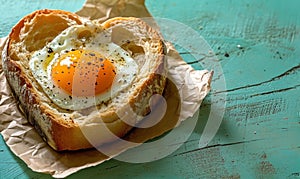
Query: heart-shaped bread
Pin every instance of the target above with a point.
(67, 127)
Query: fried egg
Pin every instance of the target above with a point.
(81, 68)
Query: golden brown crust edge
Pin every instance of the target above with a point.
(61, 134)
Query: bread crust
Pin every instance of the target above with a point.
(59, 127)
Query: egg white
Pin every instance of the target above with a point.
(96, 39)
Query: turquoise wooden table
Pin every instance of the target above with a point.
(256, 43)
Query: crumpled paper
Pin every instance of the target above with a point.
(106, 9)
(183, 100)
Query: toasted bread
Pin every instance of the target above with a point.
(65, 129)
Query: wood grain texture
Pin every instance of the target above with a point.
(257, 44)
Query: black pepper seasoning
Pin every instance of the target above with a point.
(50, 50)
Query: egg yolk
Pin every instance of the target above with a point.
(83, 73)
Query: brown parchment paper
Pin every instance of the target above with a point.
(183, 100)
